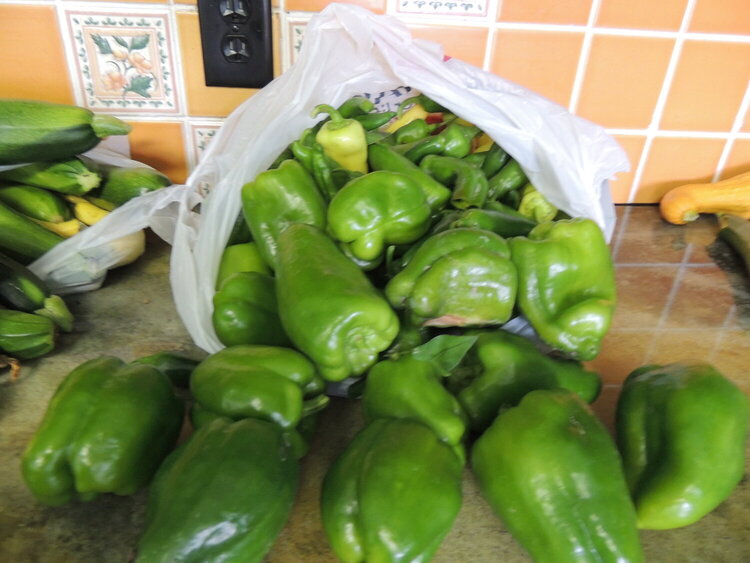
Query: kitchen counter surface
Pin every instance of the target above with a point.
(682, 296)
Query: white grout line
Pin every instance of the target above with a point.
(583, 58)
(625, 219)
(672, 134)
(671, 296)
(739, 121)
(662, 99)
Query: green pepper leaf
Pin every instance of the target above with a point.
(445, 351)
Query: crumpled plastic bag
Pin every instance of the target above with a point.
(350, 51)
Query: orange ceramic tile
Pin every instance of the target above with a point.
(623, 79)
(721, 16)
(620, 186)
(377, 6)
(544, 62)
(202, 100)
(646, 239)
(465, 43)
(708, 86)
(688, 346)
(545, 11)
(641, 14)
(672, 162)
(161, 145)
(31, 52)
(636, 308)
(611, 364)
(703, 299)
(739, 159)
(730, 357)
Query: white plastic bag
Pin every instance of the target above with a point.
(350, 51)
(81, 262)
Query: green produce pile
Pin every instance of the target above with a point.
(388, 250)
(51, 196)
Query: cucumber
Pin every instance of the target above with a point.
(33, 131)
(25, 335)
(22, 290)
(21, 238)
(123, 184)
(69, 176)
(36, 202)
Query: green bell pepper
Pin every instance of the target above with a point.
(223, 495)
(494, 160)
(566, 284)
(246, 312)
(681, 430)
(411, 389)
(343, 139)
(370, 121)
(460, 277)
(392, 495)
(277, 198)
(502, 367)
(468, 183)
(328, 307)
(535, 206)
(510, 178)
(242, 257)
(455, 140)
(504, 221)
(378, 209)
(551, 472)
(106, 430)
(264, 382)
(382, 157)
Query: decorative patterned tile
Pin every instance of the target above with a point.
(124, 62)
(201, 134)
(295, 33)
(459, 9)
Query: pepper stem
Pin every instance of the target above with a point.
(337, 120)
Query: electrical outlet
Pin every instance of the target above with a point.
(237, 45)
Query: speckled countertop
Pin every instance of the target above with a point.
(682, 296)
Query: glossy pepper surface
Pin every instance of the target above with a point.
(551, 471)
(246, 312)
(106, 430)
(277, 198)
(392, 495)
(681, 430)
(240, 257)
(328, 307)
(467, 182)
(455, 140)
(378, 209)
(566, 284)
(504, 221)
(411, 389)
(460, 277)
(382, 157)
(223, 495)
(264, 382)
(343, 139)
(502, 367)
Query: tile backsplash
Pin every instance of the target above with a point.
(670, 80)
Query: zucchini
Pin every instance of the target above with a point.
(34, 131)
(68, 176)
(22, 290)
(36, 203)
(21, 238)
(123, 184)
(735, 231)
(26, 335)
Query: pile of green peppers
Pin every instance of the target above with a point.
(387, 250)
